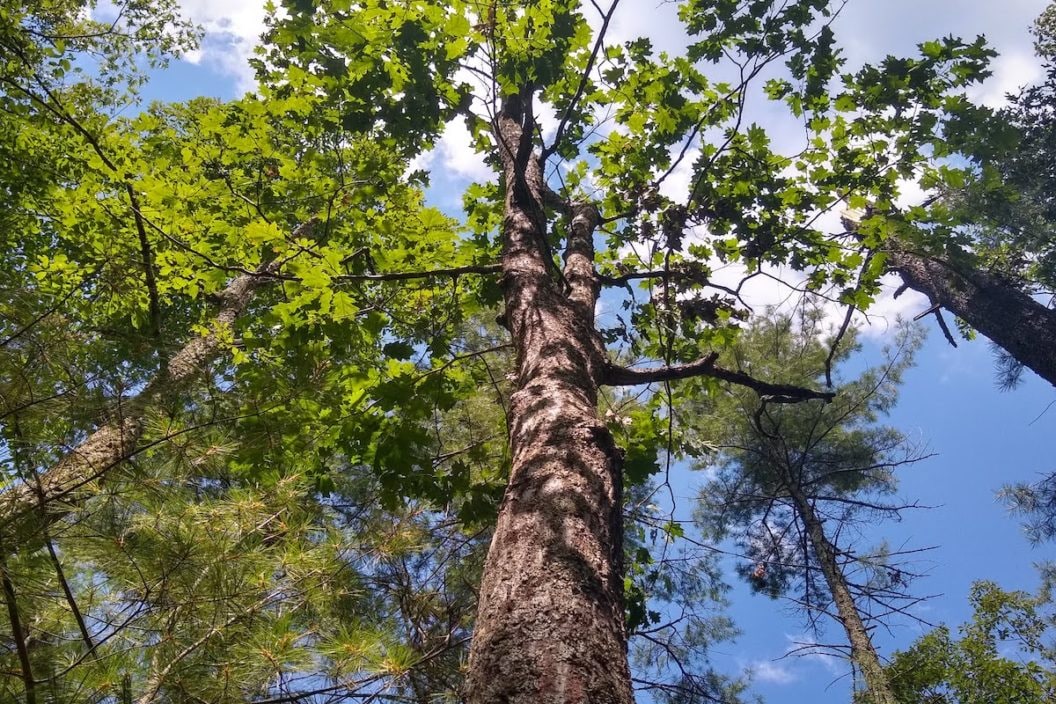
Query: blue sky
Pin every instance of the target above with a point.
(983, 438)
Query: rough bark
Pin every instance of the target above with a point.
(28, 508)
(550, 623)
(996, 308)
(863, 654)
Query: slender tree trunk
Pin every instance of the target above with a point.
(27, 509)
(1009, 317)
(18, 632)
(863, 654)
(550, 624)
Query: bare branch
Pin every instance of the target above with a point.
(626, 376)
(836, 343)
(705, 366)
(406, 275)
(684, 271)
(944, 328)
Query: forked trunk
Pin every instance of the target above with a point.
(550, 624)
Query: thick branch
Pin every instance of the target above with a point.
(626, 376)
(147, 255)
(705, 366)
(775, 393)
(71, 601)
(991, 304)
(675, 272)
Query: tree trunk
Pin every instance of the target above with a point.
(28, 508)
(18, 633)
(863, 654)
(550, 623)
(1006, 315)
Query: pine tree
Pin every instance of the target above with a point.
(795, 485)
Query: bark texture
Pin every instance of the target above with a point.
(996, 308)
(550, 623)
(31, 506)
(863, 654)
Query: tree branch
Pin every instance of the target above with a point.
(936, 308)
(18, 632)
(834, 348)
(405, 275)
(625, 376)
(584, 80)
(705, 366)
(148, 263)
(71, 601)
(684, 271)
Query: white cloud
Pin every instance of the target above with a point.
(788, 668)
(869, 30)
(772, 672)
(547, 118)
(781, 289)
(910, 194)
(1012, 71)
(423, 161)
(676, 185)
(603, 311)
(232, 31)
(654, 19)
(457, 157)
(806, 647)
